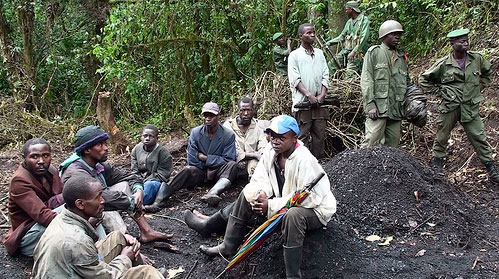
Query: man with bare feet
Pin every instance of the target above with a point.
(122, 190)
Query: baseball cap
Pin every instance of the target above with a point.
(210, 107)
(282, 124)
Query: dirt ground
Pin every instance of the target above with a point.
(440, 232)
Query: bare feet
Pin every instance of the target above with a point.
(200, 215)
(152, 236)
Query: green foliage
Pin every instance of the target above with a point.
(163, 59)
(171, 57)
(60, 42)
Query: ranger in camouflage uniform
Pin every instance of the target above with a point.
(280, 53)
(354, 39)
(384, 82)
(458, 78)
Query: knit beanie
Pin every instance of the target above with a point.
(89, 136)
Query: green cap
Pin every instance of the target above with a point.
(458, 33)
(276, 36)
(354, 5)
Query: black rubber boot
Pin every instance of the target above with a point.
(234, 235)
(215, 224)
(212, 198)
(164, 192)
(292, 261)
(493, 172)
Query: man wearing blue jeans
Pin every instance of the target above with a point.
(152, 162)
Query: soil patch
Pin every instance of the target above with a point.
(375, 191)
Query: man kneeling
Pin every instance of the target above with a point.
(67, 249)
(286, 166)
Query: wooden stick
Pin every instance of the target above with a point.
(192, 269)
(168, 217)
(4, 216)
(417, 227)
(475, 262)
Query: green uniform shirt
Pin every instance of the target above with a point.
(354, 35)
(459, 89)
(280, 55)
(384, 81)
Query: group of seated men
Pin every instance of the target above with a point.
(69, 220)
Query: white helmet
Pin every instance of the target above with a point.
(388, 27)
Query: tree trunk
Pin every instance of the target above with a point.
(284, 16)
(336, 18)
(105, 117)
(98, 10)
(26, 20)
(9, 57)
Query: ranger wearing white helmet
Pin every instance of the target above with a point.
(384, 82)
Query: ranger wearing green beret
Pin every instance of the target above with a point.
(280, 53)
(353, 41)
(384, 82)
(458, 78)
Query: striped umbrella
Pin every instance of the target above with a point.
(263, 231)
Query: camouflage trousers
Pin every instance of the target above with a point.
(352, 68)
(474, 129)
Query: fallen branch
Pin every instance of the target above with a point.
(168, 217)
(424, 222)
(4, 216)
(192, 269)
(475, 263)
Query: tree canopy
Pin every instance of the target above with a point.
(162, 59)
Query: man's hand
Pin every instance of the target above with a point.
(312, 99)
(320, 98)
(351, 55)
(134, 244)
(373, 114)
(128, 251)
(260, 204)
(138, 198)
(241, 164)
(202, 157)
(94, 221)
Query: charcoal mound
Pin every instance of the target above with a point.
(386, 191)
(375, 188)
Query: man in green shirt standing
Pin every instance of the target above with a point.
(458, 78)
(353, 39)
(280, 53)
(384, 82)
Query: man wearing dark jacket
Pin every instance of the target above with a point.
(122, 190)
(211, 156)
